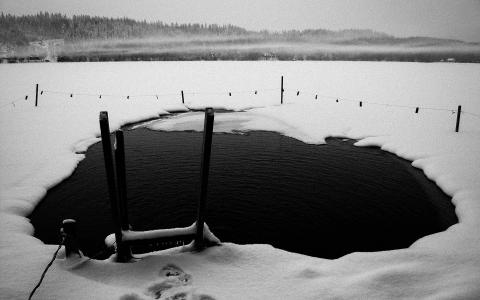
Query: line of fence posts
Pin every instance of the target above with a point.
(282, 90)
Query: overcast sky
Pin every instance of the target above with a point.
(458, 19)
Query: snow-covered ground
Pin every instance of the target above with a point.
(38, 150)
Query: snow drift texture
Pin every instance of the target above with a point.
(41, 146)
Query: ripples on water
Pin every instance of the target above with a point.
(319, 200)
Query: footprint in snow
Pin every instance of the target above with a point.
(175, 284)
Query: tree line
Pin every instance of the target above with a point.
(19, 30)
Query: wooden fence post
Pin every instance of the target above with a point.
(459, 112)
(36, 95)
(122, 252)
(281, 91)
(205, 165)
(69, 233)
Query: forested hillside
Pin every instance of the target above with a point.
(19, 30)
(53, 36)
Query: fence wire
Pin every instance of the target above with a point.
(233, 92)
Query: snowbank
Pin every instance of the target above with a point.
(41, 146)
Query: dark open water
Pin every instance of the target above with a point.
(319, 200)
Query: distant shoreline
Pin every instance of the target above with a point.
(254, 55)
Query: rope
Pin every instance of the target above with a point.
(100, 253)
(230, 92)
(71, 94)
(388, 105)
(471, 114)
(46, 269)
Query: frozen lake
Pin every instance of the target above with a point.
(426, 84)
(42, 146)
